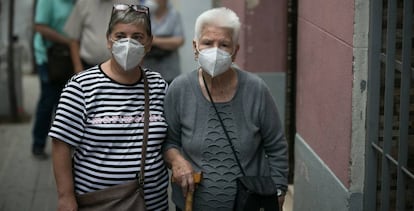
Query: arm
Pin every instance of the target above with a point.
(62, 168)
(43, 19)
(74, 28)
(168, 43)
(176, 39)
(274, 142)
(181, 168)
(53, 36)
(75, 55)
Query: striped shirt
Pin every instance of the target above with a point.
(103, 121)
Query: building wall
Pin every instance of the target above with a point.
(264, 35)
(263, 43)
(359, 105)
(324, 81)
(23, 15)
(323, 104)
(316, 187)
(22, 30)
(332, 71)
(189, 11)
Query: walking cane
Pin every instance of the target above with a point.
(189, 198)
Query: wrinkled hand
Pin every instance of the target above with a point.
(182, 174)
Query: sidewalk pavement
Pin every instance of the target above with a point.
(27, 184)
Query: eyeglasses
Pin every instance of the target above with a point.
(135, 7)
(138, 8)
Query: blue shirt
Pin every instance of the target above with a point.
(52, 13)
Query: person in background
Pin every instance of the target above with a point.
(50, 16)
(196, 141)
(168, 38)
(98, 128)
(86, 26)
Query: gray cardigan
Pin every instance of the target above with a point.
(253, 123)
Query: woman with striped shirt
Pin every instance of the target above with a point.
(97, 132)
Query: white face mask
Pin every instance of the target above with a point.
(214, 61)
(128, 53)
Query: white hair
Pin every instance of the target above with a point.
(221, 17)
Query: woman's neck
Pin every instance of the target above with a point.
(222, 87)
(116, 73)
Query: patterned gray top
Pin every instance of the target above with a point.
(218, 163)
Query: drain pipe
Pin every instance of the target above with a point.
(291, 80)
(10, 65)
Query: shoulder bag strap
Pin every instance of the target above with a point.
(224, 128)
(145, 133)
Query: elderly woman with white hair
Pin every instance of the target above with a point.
(198, 139)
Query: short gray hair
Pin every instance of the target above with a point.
(129, 16)
(221, 17)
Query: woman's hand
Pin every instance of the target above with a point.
(182, 174)
(281, 200)
(182, 171)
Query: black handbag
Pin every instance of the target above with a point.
(254, 193)
(128, 196)
(59, 65)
